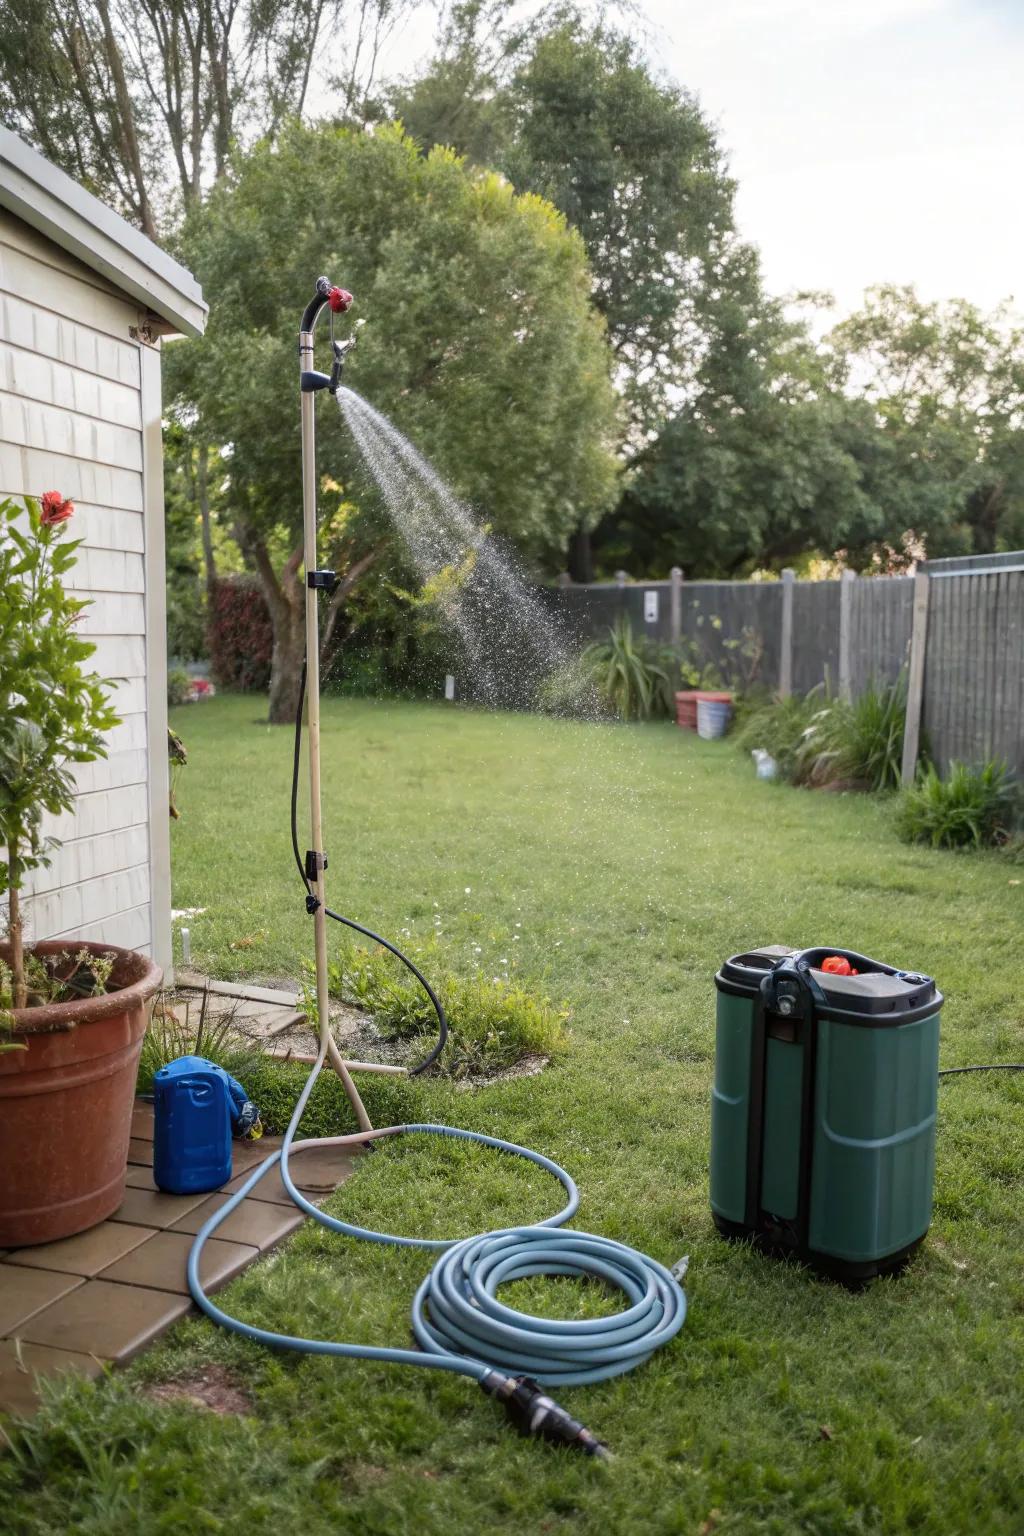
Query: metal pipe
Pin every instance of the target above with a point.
(316, 875)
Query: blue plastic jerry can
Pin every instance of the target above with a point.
(192, 1114)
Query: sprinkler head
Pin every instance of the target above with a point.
(339, 299)
(341, 350)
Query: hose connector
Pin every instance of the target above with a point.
(534, 1413)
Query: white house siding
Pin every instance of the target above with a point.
(73, 407)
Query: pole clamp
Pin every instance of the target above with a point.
(322, 581)
(315, 862)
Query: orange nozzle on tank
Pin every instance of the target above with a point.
(836, 965)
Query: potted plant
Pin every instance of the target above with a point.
(73, 1013)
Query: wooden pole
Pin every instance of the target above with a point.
(845, 626)
(675, 607)
(786, 637)
(313, 727)
(915, 680)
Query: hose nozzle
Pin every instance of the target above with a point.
(534, 1413)
(341, 350)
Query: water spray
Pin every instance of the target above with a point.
(458, 1324)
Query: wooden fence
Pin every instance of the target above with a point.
(957, 627)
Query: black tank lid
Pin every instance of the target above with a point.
(879, 991)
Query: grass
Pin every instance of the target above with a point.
(633, 859)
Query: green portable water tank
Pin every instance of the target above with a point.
(823, 1108)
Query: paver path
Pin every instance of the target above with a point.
(94, 1301)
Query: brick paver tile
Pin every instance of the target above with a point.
(142, 1121)
(87, 1253)
(152, 1208)
(160, 1263)
(21, 1365)
(100, 1318)
(24, 1292)
(259, 1222)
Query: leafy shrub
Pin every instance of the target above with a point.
(860, 740)
(628, 675)
(493, 1023)
(969, 808)
(186, 616)
(178, 686)
(779, 726)
(240, 635)
(569, 692)
(717, 665)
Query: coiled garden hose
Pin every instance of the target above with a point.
(457, 1320)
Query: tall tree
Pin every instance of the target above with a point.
(754, 468)
(142, 101)
(571, 109)
(476, 334)
(945, 384)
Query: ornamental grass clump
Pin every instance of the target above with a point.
(53, 711)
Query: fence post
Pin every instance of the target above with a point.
(845, 623)
(915, 679)
(786, 638)
(675, 604)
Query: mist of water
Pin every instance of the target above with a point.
(510, 643)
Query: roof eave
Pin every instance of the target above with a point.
(55, 205)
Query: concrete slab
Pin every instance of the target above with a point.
(321, 1168)
(86, 1254)
(189, 981)
(160, 1263)
(153, 1208)
(270, 1187)
(261, 1223)
(24, 1292)
(23, 1365)
(104, 1319)
(142, 1121)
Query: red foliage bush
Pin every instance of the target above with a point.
(239, 635)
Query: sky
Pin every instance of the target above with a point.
(872, 140)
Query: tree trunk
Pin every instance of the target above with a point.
(581, 558)
(16, 937)
(286, 667)
(286, 600)
(203, 497)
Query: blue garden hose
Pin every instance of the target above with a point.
(457, 1320)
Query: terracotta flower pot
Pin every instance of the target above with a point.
(66, 1102)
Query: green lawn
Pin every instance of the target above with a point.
(614, 868)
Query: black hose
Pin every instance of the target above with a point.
(442, 1021)
(992, 1066)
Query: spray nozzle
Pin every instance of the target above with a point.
(534, 1413)
(341, 349)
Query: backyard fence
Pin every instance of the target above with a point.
(956, 626)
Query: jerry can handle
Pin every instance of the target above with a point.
(790, 988)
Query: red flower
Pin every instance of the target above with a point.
(339, 299)
(54, 508)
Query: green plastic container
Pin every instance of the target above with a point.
(823, 1108)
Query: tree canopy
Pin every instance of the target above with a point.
(899, 434)
(476, 335)
(142, 101)
(572, 110)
